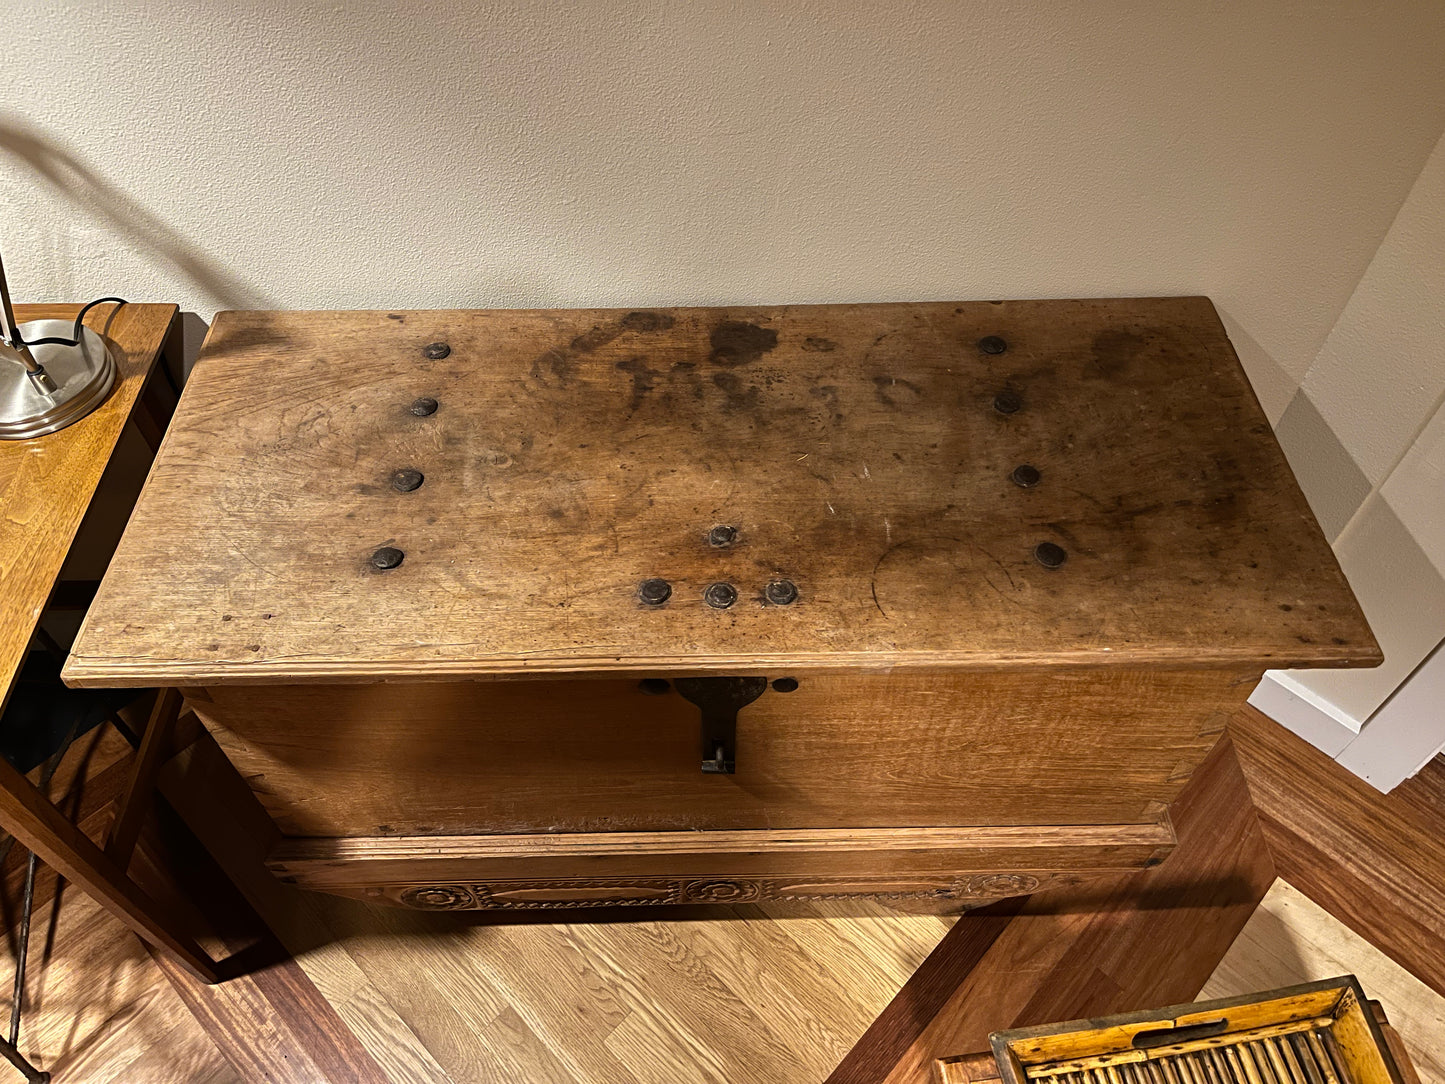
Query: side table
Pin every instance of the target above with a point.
(46, 486)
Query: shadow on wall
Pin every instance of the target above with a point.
(102, 202)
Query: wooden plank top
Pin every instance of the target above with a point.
(46, 483)
(865, 453)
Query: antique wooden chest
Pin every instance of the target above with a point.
(502, 609)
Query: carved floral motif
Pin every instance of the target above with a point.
(729, 891)
(1002, 884)
(440, 898)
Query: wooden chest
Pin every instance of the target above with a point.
(551, 608)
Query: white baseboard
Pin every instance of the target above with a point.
(1294, 707)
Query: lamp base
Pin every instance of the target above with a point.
(82, 375)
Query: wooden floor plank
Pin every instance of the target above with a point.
(1150, 938)
(929, 987)
(97, 1004)
(326, 1015)
(1291, 939)
(1375, 861)
(447, 999)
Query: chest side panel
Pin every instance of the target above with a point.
(1071, 747)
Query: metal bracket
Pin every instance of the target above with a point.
(719, 699)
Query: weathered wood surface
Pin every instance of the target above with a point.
(856, 449)
(1150, 938)
(658, 868)
(1074, 747)
(46, 483)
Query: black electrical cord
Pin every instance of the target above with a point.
(55, 340)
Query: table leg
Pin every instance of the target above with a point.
(27, 815)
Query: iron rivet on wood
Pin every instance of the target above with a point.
(388, 557)
(436, 351)
(1050, 555)
(1007, 402)
(424, 406)
(1025, 475)
(720, 595)
(654, 592)
(992, 344)
(781, 592)
(722, 535)
(404, 481)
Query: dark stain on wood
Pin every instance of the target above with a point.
(740, 399)
(1114, 351)
(895, 392)
(644, 377)
(737, 343)
(647, 321)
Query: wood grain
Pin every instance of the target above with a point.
(1150, 938)
(1291, 939)
(1375, 861)
(856, 449)
(1075, 747)
(140, 786)
(663, 868)
(46, 483)
(38, 825)
(98, 1009)
(439, 997)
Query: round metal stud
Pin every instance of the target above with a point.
(655, 686)
(720, 595)
(785, 685)
(1050, 555)
(992, 344)
(654, 592)
(1007, 402)
(404, 481)
(1025, 476)
(386, 558)
(424, 406)
(722, 535)
(781, 592)
(436, 351)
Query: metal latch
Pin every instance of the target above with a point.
(719, 699)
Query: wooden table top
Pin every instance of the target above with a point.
(46, 483)
(865, 453)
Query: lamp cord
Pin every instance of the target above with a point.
(74, 340)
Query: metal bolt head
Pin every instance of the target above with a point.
(654, 592)
(720, 595)
(1007, 402)
(992, 344)
(423, 406)
(1050, 555)
(1025, 476)
(404, 481)
(655, 686)
(781, 592)
(386, 558)
(722, 535)
(436, 351)
(785, 685)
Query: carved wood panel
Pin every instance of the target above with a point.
(653, 891)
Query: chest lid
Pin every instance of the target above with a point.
(373, 495)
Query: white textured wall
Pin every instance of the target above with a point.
(1366, 436)
(248, 153)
